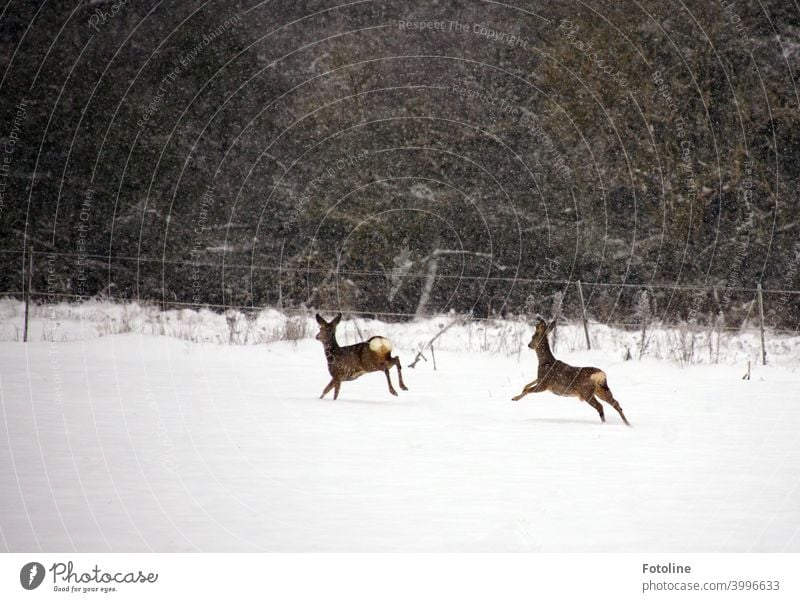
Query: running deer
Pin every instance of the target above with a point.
(557, 377)
(348, 363)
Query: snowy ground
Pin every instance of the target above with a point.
(138, 442)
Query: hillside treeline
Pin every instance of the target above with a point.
(406, 158)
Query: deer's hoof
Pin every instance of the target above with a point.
(404, 387)
(393, 392)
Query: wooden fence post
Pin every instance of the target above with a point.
(28, 286)
(280, 278)
(761, 325)
(583, 316)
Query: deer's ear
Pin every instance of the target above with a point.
(336, 320)
(321, 321)
(551, 326)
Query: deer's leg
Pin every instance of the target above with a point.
(336, 385)
(329, 386)
(389, 380)
(597, 406)
(532, 387)
(396, 361)
(604, 393)
(521, 395)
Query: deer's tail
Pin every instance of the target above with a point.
(380, 345)
(599, 380)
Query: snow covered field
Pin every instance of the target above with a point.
(139, 442)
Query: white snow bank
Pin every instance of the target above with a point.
(66, 322)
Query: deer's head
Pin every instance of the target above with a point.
(327, 330)
(541, 330)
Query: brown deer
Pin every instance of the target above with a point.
(562, 379)
(350, 362)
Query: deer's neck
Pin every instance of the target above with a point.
(544, 354)
(330, 348)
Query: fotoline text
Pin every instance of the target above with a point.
(670, 568)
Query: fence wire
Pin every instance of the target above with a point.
(38, 296)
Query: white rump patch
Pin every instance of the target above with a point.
(599, 377)
(378, 344)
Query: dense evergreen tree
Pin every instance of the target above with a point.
(305, 153)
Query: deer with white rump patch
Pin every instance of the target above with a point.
(350, 362)
(588, 384)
